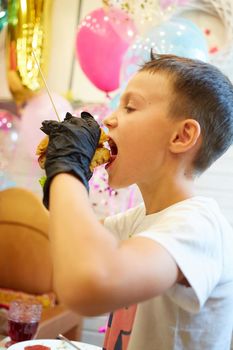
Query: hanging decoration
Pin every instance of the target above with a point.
(28, 29)
(147, 13)
(165, 4)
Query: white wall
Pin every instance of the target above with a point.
(217, 182)
(64, 31)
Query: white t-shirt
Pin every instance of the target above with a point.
(199, 238)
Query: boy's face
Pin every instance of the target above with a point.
(141, 130)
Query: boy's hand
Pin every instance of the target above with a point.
(72, 144)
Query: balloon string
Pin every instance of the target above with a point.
(46, 86)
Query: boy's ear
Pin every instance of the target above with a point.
(186, 136)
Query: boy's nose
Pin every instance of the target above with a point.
(110, 121)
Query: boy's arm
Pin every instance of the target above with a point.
(93, 272)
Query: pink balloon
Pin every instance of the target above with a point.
(39, 108)
(9, 133)
(102, 39)
(98, 110)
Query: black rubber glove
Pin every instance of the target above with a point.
(72, 144)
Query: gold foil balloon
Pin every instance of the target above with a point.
(28, 31)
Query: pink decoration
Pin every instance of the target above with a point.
(102, 39)
(39, 108)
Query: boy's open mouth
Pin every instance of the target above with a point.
(113, 151)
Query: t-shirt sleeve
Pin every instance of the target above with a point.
(122, 224)
(194, 241)
(115, 225)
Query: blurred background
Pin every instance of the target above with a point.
(88, 50)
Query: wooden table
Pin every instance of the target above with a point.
(59, 319)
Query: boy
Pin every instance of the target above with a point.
(172, 255)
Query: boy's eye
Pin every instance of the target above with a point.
(129, 109)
